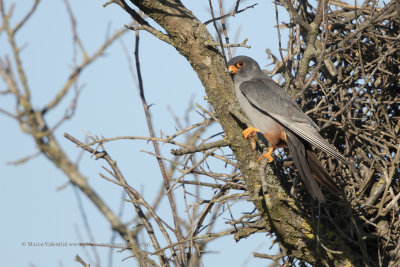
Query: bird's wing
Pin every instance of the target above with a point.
(270, 98)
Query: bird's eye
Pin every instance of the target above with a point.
(240, 64)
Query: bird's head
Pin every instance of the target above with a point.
(243, 68)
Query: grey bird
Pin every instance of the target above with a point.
(275, 115)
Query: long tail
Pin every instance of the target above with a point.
(309, 167)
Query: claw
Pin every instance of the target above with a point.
(268, 155)
(250, 132)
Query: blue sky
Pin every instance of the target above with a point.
(33, 207)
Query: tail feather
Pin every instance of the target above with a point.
(319, 172)
(298, 152)
(309, 167)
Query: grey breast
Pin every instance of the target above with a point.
(260, 120)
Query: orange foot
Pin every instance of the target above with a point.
(250, 132)
(268, 155)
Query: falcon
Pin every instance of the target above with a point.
(283, 124)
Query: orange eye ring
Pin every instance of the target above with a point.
(240, 64)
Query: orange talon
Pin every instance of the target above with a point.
(250, 132)
(268, 155)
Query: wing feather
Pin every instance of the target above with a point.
(312, 136)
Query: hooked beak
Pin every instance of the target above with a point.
(232, 69)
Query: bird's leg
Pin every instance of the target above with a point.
(251, 134)
(268, 155)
